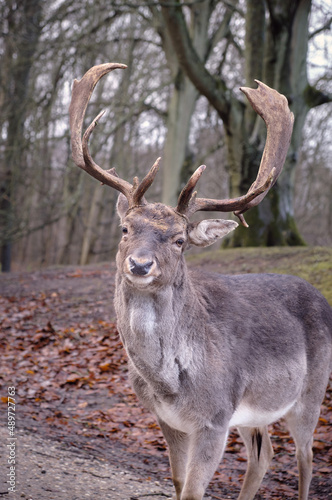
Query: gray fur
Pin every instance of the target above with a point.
(206, 350)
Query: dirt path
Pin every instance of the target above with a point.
(48, 470)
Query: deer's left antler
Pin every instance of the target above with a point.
(273, 108)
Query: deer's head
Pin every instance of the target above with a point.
(155, 235)
(154, 239)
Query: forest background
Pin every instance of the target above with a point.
(179, 98)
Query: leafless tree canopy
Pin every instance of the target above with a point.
(51, 213)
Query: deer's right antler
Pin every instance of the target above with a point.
(81, 94)
(273, 108)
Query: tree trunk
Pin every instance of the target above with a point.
(90, 225)
(23, 23)
(182, 101)
(180, 110)
(273, 220)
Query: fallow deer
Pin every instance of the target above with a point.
(209, 352)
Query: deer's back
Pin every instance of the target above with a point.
(266, 317)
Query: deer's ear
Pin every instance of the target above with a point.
(122, 206)
(206, 232)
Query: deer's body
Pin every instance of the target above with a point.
(209, 352)
(190, 343)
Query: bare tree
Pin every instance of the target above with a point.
(24, 19)
(58, 218)
(277, 36)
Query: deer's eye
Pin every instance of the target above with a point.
(124, 230)
(179, 242)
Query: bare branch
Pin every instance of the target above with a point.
(325, 27)
(315, 97)
(213, 89)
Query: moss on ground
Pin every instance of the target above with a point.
(314, 264)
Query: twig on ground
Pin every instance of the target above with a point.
(137, 497)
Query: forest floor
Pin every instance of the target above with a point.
(80, 431)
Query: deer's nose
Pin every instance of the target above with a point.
(140, 267)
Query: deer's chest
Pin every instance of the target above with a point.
(147, 341)
(142, 318)
(152, 345)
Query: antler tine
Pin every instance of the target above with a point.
(81, 94)
(108, 177)
(227, 205)
(145, 183)
(187, 191)
(274, 110)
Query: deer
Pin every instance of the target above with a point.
(209, 352)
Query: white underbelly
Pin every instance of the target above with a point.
(246, 416)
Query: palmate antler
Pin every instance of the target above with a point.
(81, 94)
(273, 108)
(268, 103)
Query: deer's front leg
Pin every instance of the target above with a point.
(205, 451)
(178, 445)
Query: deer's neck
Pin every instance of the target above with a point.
(150, 313)
(155, 326)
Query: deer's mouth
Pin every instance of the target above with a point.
(140, 281)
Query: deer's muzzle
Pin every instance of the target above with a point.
(140, 267)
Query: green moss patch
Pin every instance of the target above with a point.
(314, 264)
